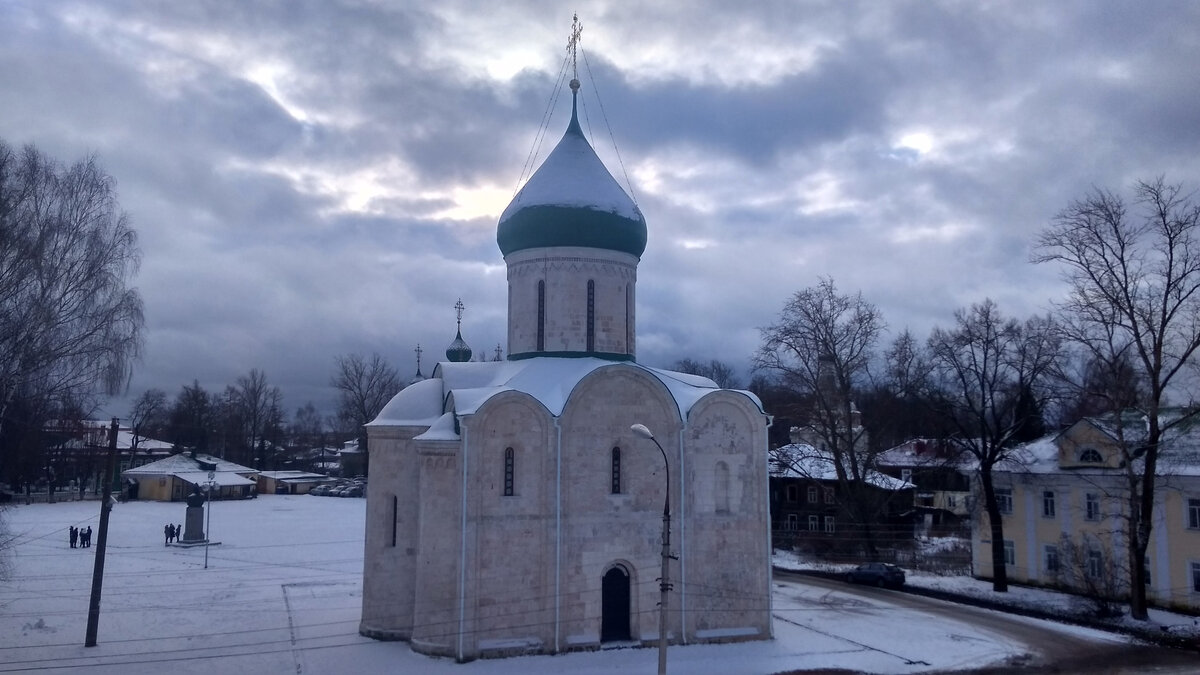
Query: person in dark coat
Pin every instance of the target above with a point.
(74, 535)
(86, 537)
(178, 533)
(168, 530)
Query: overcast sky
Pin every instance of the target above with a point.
(317, 178)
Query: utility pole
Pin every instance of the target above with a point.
(101, 539)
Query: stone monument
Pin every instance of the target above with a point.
(193, 527)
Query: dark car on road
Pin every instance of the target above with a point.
(877, 574)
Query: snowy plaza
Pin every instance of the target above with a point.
(282, 593)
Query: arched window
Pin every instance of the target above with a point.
(541, 326)
(1091, 456)
(616, 471)
(721, 488)
(591, 316)
(509, 461)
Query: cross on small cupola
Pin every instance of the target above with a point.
(418, 377)
(458, 351)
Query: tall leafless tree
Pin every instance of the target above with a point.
(257, 406)
(70, 324)
(821, 348)
(718, 371)
(1134, 293)
(988, 379)
(148, 414)
(364, 387)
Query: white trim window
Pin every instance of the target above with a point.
(829, 525)
(1004, 501)
(1091, 506)
(1048, 510)
(1094, 564)
(1193, 514)
(1010, 553)
(1050, 561)
(814, 523)
(1195, 570)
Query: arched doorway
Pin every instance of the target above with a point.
(614, 606)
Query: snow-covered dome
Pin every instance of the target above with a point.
(572, 200)
(458, 351)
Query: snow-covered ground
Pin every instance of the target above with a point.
(1024, 597)
(282, 593)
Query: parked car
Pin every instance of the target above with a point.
(877, 574)
(352, 491)
(320, 490)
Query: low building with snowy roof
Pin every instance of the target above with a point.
(289, 482)
(174, 478)
(941, 469)
(513, 509)
(1064, 508)
(810, 507)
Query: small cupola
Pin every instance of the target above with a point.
(458, 351)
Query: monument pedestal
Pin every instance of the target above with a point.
(193, 525)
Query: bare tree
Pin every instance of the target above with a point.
(257, 405)
(70, 325)
(192, 418)
(148, 414)
(986, 373)
(1082, 567)
(1134, 295)
(364, 387)
(821, 348)
(718, 371)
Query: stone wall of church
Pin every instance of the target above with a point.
(389, 563)
(602, 530)
(510, 537)
(565, 272)
(439, 544)
(728, 586)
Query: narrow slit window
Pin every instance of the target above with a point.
(395, 515)
(616, 471)
(509, 461)
(591, 316)
(541, 325)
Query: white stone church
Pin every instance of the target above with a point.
(511, 508)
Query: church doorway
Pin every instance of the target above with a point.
(614, 606)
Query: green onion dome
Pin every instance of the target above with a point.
(572, 200)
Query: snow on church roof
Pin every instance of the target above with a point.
(572, 200)
(465, 387)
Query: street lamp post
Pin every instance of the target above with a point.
(208, 489)
(664, 581)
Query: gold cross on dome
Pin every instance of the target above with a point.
(573, 44)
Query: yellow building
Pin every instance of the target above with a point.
(172, 479)
(1065, 506)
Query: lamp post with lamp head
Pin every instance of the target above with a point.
(664, 585)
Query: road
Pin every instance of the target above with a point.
(1050, 647)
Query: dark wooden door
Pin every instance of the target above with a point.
(614, 601)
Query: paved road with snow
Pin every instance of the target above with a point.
(1046, 646)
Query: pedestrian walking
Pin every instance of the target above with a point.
(178, 533)
(168, 531)
(74, 535)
